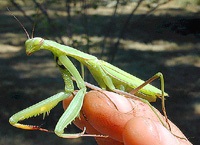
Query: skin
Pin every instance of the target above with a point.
(123, 121)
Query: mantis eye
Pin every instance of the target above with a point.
(37, 41)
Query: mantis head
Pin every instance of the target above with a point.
(33, 44)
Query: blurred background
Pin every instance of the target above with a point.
(141, 37)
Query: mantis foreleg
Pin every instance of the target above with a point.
(42, 107)
(46, 105)
(75, 106)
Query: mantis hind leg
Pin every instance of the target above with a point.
(106, 72)
(156, 76)
(91, 86)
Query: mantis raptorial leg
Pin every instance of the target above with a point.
(46, 105)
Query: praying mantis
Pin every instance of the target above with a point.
(107, 76)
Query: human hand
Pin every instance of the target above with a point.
(125, 121)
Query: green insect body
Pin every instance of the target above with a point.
(99, 69)
(107, 76)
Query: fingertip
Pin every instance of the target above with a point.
(136, 132)
(142, 131)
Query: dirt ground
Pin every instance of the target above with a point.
(167, 41)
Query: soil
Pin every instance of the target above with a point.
(166, 41)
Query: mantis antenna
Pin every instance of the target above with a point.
(20, 23)
(33, 30)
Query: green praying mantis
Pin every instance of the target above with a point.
(107, 76)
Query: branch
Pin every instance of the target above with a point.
(115, 47)
(21, 10)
